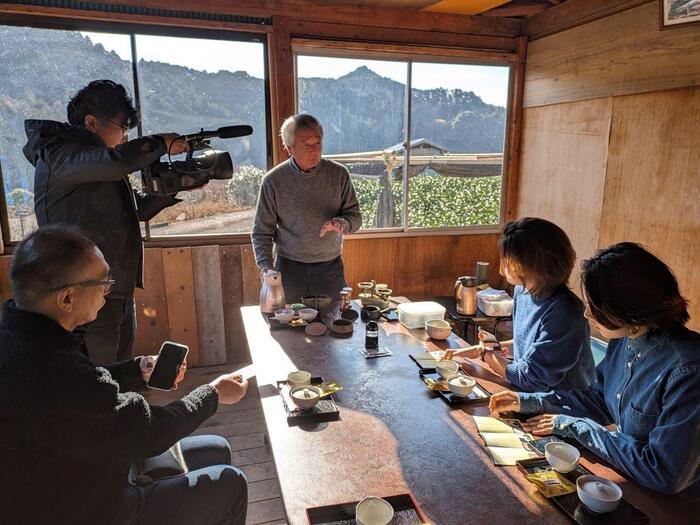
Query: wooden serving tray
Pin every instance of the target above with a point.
(478, 396)
(570, 504)
(325, 410)
(406, 512)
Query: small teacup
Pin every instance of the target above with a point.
(298, 378)
(373, 511)
(447, 369)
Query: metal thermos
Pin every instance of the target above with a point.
(271, 293)
(465, 295)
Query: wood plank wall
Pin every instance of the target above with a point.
(609, 153)
(193, 295)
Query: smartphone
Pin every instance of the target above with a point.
(489, 338)
(170, 358)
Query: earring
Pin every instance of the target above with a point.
(634, 330)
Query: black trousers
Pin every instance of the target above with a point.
(110, 337)
(322, 278)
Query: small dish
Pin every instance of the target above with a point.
(371, 312)
(341, 326)
(598, 494)
(284, 315)
(318, 302)
(438, 329)
(315, 329)
(461, 385)
(305, 396)
(298, 378)
(350, 315)
(447, 369)
(308, 314)
(562, 456)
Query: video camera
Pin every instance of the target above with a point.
(168, 178)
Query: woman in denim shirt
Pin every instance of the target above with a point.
(648, 384)
(551, 338)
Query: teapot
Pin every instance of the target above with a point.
(272, 292)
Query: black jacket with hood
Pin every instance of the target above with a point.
(80, 181)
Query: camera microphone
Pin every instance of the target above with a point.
(227, 132)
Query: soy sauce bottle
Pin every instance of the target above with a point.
(372, 335)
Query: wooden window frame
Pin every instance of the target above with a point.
(430, 54)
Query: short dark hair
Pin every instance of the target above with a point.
(626, 285)
(540, 249)
(102, 98)
(51, 256)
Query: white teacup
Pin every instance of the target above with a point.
(373, 511)
(298, 378)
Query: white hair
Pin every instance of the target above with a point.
(297, 122)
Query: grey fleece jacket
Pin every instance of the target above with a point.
(294, 205)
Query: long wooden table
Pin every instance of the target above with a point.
(395, 436)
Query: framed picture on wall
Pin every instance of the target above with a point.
(675, 13)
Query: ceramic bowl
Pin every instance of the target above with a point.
(371, 312)
(298, 378)
(374, 511)
(447, 369)
(438, 329)
(350, 315)
(305, 396)
(598, 494)
(315, 329)
(308, 314)
(562, 456)
(318, 302)
(284, 315)
(341, 326)
(461, 385)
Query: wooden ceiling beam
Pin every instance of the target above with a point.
(515, 9)
(306, 29)
(574, 13)
(310, 10)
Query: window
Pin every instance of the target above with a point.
(40, 70)
(452, 157)
(361, 105)
(187, 84)
(184, 84)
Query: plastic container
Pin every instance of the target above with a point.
(415, 315)
(496, 303)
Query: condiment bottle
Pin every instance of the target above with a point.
(372, 335)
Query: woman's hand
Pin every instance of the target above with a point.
(470, 351)
(496, 361)
(542, 425)
(506, 401)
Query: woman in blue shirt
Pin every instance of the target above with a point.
(648, 384)
(551, 337)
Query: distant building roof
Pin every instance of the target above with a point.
(415, 143)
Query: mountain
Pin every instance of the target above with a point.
(41, 69)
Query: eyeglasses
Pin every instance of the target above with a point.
(125, 129)
(87, 284)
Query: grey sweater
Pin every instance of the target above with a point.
(292, 208)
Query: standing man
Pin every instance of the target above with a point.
(305, 206)
(81, 179)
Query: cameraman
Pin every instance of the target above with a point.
(81, 179)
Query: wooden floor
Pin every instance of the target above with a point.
(243, 426)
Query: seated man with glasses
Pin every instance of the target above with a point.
(81, 178)
(70, 431)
